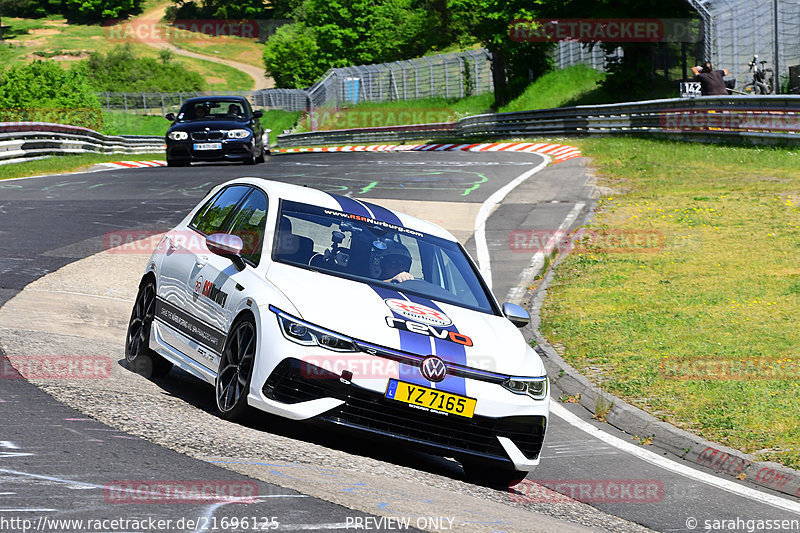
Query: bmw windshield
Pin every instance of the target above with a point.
(213, 109)
(376, 252)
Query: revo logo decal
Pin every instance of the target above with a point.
(427, 329)
(418, 312)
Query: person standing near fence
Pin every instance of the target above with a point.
(711, 81)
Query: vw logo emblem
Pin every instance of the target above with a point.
(433, 368)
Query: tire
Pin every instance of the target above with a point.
(177, 163)
(139, 357)
(492, 475)
(235, 370)
(260, 158)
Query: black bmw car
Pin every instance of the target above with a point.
(216, 128)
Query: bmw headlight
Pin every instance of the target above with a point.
(178, 135)
(307, 334)
(536, 388)
(238, 134)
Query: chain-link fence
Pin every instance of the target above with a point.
(453, 75)
(740, 29)
(732, 32)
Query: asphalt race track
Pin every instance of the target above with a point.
(58, 462)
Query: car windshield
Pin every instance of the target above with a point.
(213, 109)
(376, 252)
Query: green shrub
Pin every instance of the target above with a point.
(86, 11)
(43, 91)
(121, 71)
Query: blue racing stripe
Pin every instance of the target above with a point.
(349, 205)
(449, 351)
(409, 342)
(383, 214)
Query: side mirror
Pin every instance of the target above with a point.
(516, 314)
(258, 113)
(227, 245)
(170, 117)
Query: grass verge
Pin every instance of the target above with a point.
(68, 163)
(556, 89)
(700, 329)
(120, 123)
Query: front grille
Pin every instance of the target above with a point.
(294, 381)
(206, 135)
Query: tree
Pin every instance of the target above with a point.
(338, 33)
(291, 57)
(512, 62)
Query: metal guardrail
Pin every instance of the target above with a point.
(762, 119)
(25, 140)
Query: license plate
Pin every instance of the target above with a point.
(430, 399)
(208, 146)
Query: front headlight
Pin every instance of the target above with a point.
(178, 135)
(302, 332)
(536, 388)
(238, 134)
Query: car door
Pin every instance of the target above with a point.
(218, 285)
(181, 285)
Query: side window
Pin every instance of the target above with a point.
(249, 224)
(211, 219)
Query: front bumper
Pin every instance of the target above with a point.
(509, 441)
(232, 150)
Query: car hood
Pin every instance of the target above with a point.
(360, 310)
(217, 124)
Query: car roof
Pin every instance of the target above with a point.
(308, 195)
(215, 98)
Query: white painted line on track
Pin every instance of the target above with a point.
(670, 465)
(515, 294)
(484, 263)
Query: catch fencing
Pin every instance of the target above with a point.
(454, 75)
(756, 119)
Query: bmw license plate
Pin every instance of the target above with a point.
(430, 399)
(208, 146)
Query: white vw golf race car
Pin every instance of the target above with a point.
(314, 306)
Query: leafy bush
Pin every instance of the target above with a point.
(291, 57)
(222, 9)
(338, 33)
(43, 91)
(87, 11)
(121, 71)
